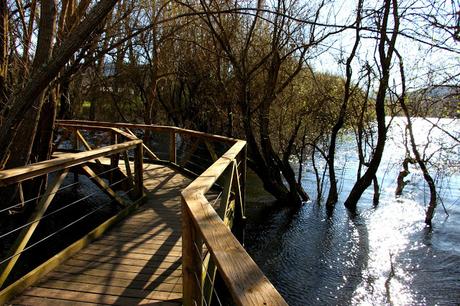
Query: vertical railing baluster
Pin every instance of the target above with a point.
(243, 170)
(191, 260)
(172, 146)
(114, 158)
(139, 170)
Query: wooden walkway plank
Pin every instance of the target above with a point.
(137, 262)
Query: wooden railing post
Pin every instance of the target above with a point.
(172, 146)
(139, 170)
(191, 260)
(243, 177)
(114, 158)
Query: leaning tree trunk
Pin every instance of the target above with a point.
(3, 53)
(41, 78)
(20, 149)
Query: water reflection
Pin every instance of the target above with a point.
(384, 255)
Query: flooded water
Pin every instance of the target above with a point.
(384, 256)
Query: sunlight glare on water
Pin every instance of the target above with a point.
(383, 256)
(389, 230)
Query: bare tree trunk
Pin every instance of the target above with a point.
(376, 198)
(20, 149)
(386, 49)
(3, 53)
(426, 174)
(40, 79)
(402, 174)
(333, 193)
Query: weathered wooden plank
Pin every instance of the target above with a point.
(114, 254)
(114, 282)
(111, 290)
(246, 282)
(148, 267)
(208, 178)
(234, 264)
(26, 233)
(86, 297)
(165, 251)
(171, 278)
(39, 301)
(34, 275)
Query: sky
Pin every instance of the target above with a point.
(419, 58)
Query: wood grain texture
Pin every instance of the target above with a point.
(138, 263)
(64, 161)
(145, 260)
(153, 127)
(244, 279)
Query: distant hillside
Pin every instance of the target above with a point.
(436, 101)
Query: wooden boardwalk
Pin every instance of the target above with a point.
(137, 262)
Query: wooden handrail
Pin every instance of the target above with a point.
(152, 127)
(244, 279)
(64, 161)
(200, 222)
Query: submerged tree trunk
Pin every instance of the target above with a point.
(385, 49)
(402, 174)
(420, 161)
(333, 193)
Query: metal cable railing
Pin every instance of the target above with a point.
(21, 204)
(60, 230)
(59, 209)
(22, 241)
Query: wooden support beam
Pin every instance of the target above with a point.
(83, 140)
(191, 261)
(211, 150)
(26, 233)
(151, 127)
(172, 147)
(123, 133)
(85, 144)
(139, 170)
(238, 193)
(190, 152)
(146, 149)
(243, 171)
(128, 168)
(227, 177)
(103, 185)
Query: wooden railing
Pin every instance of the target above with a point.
(55, 171)
(210, 250)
